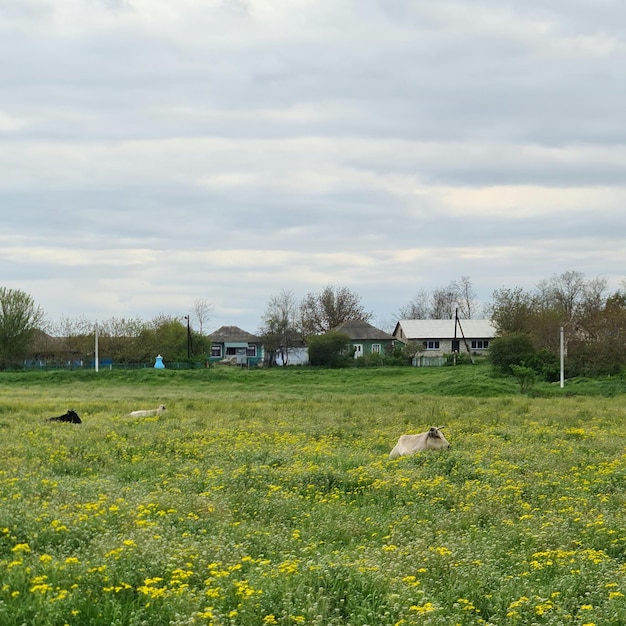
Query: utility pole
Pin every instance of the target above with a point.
(188, 337)
(457, 322)
(562, 351)
(96, 358)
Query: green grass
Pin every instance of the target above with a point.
(266, 497)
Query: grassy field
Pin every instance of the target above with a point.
(266, 497)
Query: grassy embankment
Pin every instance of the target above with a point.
(266, 497)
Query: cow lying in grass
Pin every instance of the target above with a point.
(71, 417)
(432, 439)
(148, 412)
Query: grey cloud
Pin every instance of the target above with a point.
(338, 135)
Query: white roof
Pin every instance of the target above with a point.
(444, 329)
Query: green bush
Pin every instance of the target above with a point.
(508, 350)
(329, 349)
(460, 358)
(394, 357)
(545, 364)
(526, 377)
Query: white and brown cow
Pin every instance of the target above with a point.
(432, 439)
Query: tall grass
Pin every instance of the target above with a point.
(266, 497)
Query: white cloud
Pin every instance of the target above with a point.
(9, 123)
(532, 201)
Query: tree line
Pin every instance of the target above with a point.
(528, 325)
(25, 335)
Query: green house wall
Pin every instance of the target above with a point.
(385, 345)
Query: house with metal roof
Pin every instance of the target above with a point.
(234, 345)
(366, 339)
(440, 337)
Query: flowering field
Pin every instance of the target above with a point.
(262, 498)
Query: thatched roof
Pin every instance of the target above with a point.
(229, 334)
(360, 330)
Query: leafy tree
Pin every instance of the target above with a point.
(329, 349)
(512, 310)
(601, 349)
(321, 312)
(545, 328)
(20, 317)
(508, 350)
(165, 335)
(201, 346)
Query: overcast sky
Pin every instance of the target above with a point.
(158, 152)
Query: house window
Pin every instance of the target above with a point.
(376, 348)
(216, 350)
(251, 350)
(480, 344)
(431, 345)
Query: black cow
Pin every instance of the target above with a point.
(71, 416)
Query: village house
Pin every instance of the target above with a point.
(237, 346)
(367, 339)
(443, 337)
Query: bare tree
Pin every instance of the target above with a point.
(563, 293)
(324, 311)
(465, 296)
(444, 304)
(419, 308)
(201, 310)
(76, 334)
(280, 326)
(72, 326)
(118, 338)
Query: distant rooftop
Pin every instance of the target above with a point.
(444, 329)
(226, 334)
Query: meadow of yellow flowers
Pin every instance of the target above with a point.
(266, 497)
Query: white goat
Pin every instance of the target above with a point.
(149, 412)
(432, 439)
